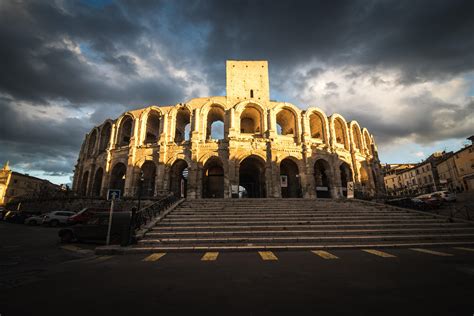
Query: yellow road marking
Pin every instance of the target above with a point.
(154, 256)
(432, 252)
(99, 259)
(464, 248)
(379, 253)
(210, 256)
(267, 255)
(324, 254)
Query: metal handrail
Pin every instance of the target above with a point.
(147, 214)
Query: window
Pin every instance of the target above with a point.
(251, 93)
(430, 178)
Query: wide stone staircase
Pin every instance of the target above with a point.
(281, 224)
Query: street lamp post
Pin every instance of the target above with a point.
(140, 186)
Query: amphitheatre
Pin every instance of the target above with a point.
(240, 145)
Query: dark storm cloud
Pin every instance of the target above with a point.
(40, 63)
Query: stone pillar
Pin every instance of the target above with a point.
(195, 130)
(271, 118)
(336, 189)
(305, 128)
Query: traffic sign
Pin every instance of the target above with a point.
(113, 194)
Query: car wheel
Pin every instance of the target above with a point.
(54, 223)
(67, 237)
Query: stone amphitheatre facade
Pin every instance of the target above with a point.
(239, 145)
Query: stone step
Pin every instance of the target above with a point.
(296, 222)
(420, 224)
(309, 239)
(283, 215)
(270, 212)
(154, 234)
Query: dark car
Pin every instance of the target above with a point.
(17, 217)
(95, 229)
(85, 214)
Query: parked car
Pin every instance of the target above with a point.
(3, 211)
(445, 195)
(95, 229)
(85, 214)
(34, 220)
(56, 218)
(17, 217)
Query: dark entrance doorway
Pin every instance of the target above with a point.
(252, 177)
(148, 176)
(97, 182)
(346, 176)
(321, 178)
(289, 179)
(179, 178)
(213, 179)
(117, 179)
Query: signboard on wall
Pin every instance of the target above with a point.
(284, 181)
(350, 190)
(113, 194)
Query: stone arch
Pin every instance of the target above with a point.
(213, 178)
(215, 122)
(117, 177)
(290, 182)
(96, 187)
(252, 177)
(323, 178)
(346, 176)
(179, 177)
(286, 120)
(151, 126)
(125, 130)
(147, 178)
(356, 135)
(318, 124)
(364, 177)
(92, 142)
(84, 182)
(251, 120)
(340, 130)
(367, 141)
(105, 134)
(183, 124)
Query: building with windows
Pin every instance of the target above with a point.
(15, 185)
(239, 145)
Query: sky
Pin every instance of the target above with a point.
(403, 69)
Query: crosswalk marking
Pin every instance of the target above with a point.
(100, 259)
(210, 256)
(324, 254)
(379, 253)
(432, 252)
(154, 256)
(267, 255)
(464, 248)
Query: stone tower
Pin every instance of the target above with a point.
(247, 80)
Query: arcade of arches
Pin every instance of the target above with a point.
(234, 146)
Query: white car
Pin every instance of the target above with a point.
(445, 195)
(34, 220)
(56, 218)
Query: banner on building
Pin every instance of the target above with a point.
(350, 190)
(284, 181)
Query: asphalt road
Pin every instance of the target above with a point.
(65, 282)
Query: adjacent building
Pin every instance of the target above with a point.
(14, 185)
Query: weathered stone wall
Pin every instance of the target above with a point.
(270, 132)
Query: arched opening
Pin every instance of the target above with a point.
(252, 177)
(213, 179)
(251, 121)
(289, 179)
(125, 131)
(152, 128)
(316, 125)
(92, 141)
(97, 182)
(368, 142)
(117, 177)
(215, 123)
(105, 137)
(183, 125)
(357, 137)
(179, 178)
(286, 122)
(322, 173)
(148, 175)
(85, 178)
(346, 176)
(339, 128)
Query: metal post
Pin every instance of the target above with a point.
(140, 188)
(107, 242)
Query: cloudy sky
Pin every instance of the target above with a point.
(403, 69)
